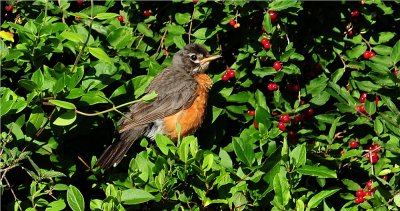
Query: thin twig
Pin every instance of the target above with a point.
(13, 193)
(191, 23)
(87, 38)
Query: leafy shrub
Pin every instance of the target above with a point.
(302, 133)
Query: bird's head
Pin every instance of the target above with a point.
(193, 59)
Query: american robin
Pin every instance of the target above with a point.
(182, 90)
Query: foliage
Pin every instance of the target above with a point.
(63, 61)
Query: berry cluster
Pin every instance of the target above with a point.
(372, 153)
(228, 74)
(364, 193)
(233, 23)
(368, 54)
(9, 8)
(147, 13)
(265, 42)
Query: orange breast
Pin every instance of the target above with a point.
(191, 118)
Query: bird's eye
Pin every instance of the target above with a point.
(193, 57)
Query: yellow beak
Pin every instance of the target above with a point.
(210, 58)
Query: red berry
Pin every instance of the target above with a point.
(369, 184)
(281, 126)
(368, 193)
(396, 72)
(348, 87)
(264, 41)
(267, 45)
(374, 158)
(120, 18)
(275, 113)
(225, 77)
(376, 100)
(360, 193)
(292, 134)
(350, 33)
(277, 65)
(195, 1)
(9, 8)
(353, 144)
(355, 14)
(230, 73)
(251, 112)
(146, 13)
(255, 124)
(232, 22)
(342, 151)
(79, 2)
(361, 108)
(284, 118)
(385, 177)
(309, 112)
(272, 86)
(375, 147)
(292, 87)
(372, 54)
(297, 118)
(359, 200)
(273, 15)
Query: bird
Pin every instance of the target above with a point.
(182, 92)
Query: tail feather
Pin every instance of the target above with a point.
(113, 155)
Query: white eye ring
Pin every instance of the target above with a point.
(193, 57)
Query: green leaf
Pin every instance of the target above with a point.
(28, 84)
(396, 200)
(73, 36)
(267, 23)
(36, 119)
(351, 153)
(94, 97)
(164, 144)
(356, 51)
(75, 199)
(279, 5)
(298, 155)
(395, 55)
(183, 151)
(208, 162)
(317, 198)
(205, 33)
(149, 97)
(175, 29)
(99, 54)
(63, 104)
(142, 28)
(38, 78)
(262, 72)
(333, 129)
(182, 18)
(226, 160)
(282, 190)
(65, 119)
(244, 151)
(316, 86)
(120, 38)
(317, 171)
(135, 196)
(378, 126)
(56, 205)
(320, 99)
(351, 185)
(106, 15)
(370, 107)
(382, 37)
(337, 75)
